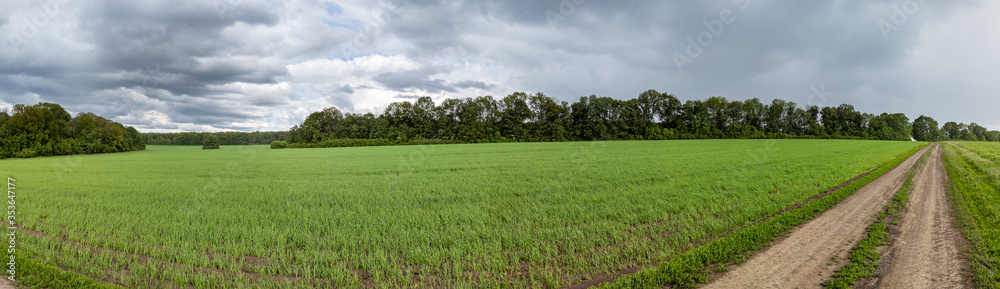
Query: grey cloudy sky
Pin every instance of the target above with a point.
(212, 65)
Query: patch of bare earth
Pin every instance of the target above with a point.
(927, 253)
(813, 251)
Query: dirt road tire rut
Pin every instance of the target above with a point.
(928, 252)
(810, 253)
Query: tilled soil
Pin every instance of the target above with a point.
(813, 251)
(928, 251)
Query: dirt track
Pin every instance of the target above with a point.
(928, 252)
(812, 252)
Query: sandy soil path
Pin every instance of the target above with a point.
(812, 252)
(928, 252)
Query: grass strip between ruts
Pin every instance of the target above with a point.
(863, 258)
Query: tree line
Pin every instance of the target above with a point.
(46, 129)
(225, 138)
(650, 116)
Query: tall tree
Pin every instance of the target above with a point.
(514, 112)
(925, 128)
(952, 130)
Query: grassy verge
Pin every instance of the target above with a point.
(34, 274)
(863, 258)
(974, 194)
(692, 267)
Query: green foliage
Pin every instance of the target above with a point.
(972, 132)
(926, 129)
(521, 215)
(210, 142)
(890, 127)
(652, 115)
(975, 196)
(33, 273)
(225, 138)
(279, 144)
(46, 129)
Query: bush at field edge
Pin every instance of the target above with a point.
(211, 142)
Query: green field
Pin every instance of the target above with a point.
(482, 215)
(974, 169)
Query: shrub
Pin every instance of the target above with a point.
(26, 153)
(278, 144)
(211, 142)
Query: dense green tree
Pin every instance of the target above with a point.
(279, 144)
(46, 129)
(717, 110)
(211, 142)
(514, 112)
(813, 127)
(325, 123)
(844, 121)
(774, 119)
(890, 127)
(926, 129)
(651, 115)
(993, 135)
(978, 131)
(549, 119)
(753, 114)
(424, 125)
(225, 138)
(952, 130)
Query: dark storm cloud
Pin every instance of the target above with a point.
(183, 53)
(224, 65)
(767, 49)
(415, 79)
(182, 40)
(474, 84)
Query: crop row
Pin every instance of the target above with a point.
(491, 215)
